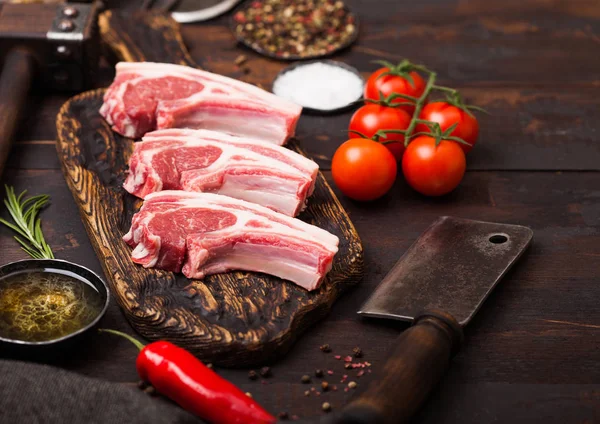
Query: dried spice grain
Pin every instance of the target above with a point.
(295, 28)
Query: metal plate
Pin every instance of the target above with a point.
(453, 266)
(188, 11)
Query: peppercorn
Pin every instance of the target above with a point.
(305, 379)
(319, 373)
(283, 415)
(307, 393)
(326, 406)
(150, 390)
(324, 386)
(142, 385)
(348, 365)
(325, 348)
(352, 385)
(357, 351)
(265, 372)
(252, 375)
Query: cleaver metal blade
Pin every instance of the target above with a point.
(453, 266)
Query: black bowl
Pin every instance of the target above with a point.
(45, 349)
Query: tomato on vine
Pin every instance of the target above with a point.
(372, 119)
(402, 79)
(450, 112)
(363, 169)
(434, 164)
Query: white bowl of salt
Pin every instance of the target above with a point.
(324, 86)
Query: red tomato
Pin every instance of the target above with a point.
(446, 115)
(363, 169)
(433, 170)
(371, 118)
(389, 84)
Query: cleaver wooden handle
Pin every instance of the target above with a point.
(15, 81)
(420, 359)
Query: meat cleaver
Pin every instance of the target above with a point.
(438, 285)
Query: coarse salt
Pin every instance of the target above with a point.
(319, 85)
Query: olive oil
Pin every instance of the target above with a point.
(39, 306)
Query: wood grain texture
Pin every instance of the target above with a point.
(531, 354)
(143, 36)
(231, 319)
(15, 81)
(418, 362)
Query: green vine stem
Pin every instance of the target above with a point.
(419, 106)
(453, 97)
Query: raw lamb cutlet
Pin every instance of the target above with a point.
(208, 161)
(145, 96)
(204, 233)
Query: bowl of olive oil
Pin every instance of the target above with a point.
(44, 302)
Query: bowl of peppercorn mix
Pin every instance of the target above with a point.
(295, 29)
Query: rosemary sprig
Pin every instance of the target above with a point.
(27, 224)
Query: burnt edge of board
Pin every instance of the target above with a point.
(232, 319)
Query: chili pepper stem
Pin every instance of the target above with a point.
(133, 340)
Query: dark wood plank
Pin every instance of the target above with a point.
(512, 61)
(531, 353)
(537, 331)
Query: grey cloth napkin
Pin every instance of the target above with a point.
(40, 394)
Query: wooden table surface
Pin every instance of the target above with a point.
(532, 354)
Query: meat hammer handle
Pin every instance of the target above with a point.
(15, 82)
(420, 359)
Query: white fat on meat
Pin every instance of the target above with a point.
(145, 96)
(201, 234)
(208, 161)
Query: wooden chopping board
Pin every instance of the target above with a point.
(232, 319)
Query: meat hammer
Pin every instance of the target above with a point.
(47, 46)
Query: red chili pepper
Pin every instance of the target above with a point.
(180, 376)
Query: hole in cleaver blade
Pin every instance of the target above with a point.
(453, 266)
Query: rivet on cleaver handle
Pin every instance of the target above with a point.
(453, 266)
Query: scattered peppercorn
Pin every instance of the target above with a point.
(305, 379)
(325, 348)
(283, 415)
(252, 375)
(338, 357)
(357, 351)
(307, 393)
(324, 386)
(329, 372)
(352, 385)
(348, 358)
(326, 406)
(265, 372)
(295, 417)
(150, 390)
(360, 373)
(295, 28)
(348, 365)
(241, 59)
(142, 385)
(319, 373)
